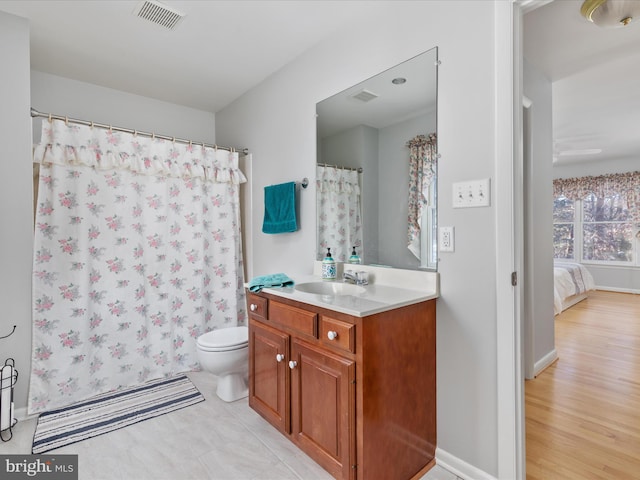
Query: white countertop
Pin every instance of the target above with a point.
(388, 289)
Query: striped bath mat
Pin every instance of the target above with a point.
(111, 411)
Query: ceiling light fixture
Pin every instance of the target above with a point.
(611, 13)
(399, 81)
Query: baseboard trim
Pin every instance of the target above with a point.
(21, 414)
(618, 290)
(459, 467)
(545, 362)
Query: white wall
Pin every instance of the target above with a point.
(276, 120)
(624, 279)
(539, 217)
(85, 101)
(582, 169)
(15, 199)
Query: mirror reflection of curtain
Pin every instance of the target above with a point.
(339, 216)
(422, 171)
(136, 253)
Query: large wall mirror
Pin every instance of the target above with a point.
(371, 149)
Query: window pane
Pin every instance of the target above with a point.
(608, 242)
(563, 210)
(563, 240)
(605, 209)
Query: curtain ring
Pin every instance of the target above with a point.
(50, 118)
(66, 120)
(91, 124)
(153, 135)
(173, 140)
(135, 133)
(110, 129)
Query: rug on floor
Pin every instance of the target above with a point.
(112, 411)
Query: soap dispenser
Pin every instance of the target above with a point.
(329, 270)
(354, 258)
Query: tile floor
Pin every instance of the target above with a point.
(211, 440)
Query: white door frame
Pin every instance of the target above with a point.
(509, 239)
(528, 320)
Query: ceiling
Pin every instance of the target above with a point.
(391, 103)
(596, 82)
(218, 51)
(222, 49)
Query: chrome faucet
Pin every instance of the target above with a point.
(357, 278)
(349, 277)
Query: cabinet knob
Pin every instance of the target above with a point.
(279, 357)
(292, 364)
(331, 335)
(253, 307)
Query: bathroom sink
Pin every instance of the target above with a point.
(330, 288)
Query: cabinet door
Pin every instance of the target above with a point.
(269, 374)
(323, 407)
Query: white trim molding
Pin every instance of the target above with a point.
(544, 362)
(509, 232)
(528, 5)
(618, 290)
(459, 467)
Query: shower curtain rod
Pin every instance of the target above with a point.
(357, 169)
(36, 113)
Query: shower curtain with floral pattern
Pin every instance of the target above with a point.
(137, 252)
(339, 225)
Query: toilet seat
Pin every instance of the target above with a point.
(224, 339)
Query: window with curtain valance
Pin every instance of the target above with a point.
(597, 218)
(625, 185)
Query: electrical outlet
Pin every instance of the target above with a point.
(446, 240)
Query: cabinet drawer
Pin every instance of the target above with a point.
(338, 333)
(257, 306)
(293, 318)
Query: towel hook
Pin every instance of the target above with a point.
(305, 182)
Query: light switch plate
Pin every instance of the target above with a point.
(446, 241)
(473, 193)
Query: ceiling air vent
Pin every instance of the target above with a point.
(158, 13)
(364, 96)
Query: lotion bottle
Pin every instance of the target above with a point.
(354, 258)
(329, 270)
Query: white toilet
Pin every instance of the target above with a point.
(224, 353)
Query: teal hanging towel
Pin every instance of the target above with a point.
(280, 208)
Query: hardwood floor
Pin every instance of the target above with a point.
(583, 412)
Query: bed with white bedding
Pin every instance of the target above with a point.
(571, 283)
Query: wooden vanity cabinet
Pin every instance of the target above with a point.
(269, 374)
(357, 394)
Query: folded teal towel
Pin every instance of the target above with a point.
(280, 208)
(268, 281)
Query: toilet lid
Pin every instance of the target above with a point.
(225, 338)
